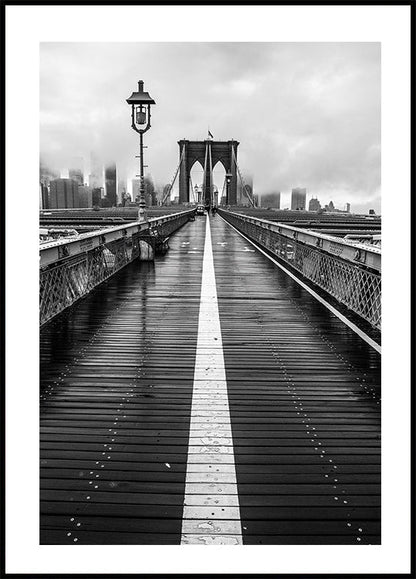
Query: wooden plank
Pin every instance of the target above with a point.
(303, 390)
(114, 374)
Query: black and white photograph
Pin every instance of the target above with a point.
(210, 361)
(210, 342)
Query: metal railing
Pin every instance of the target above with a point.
(71, 267)
(348, 270)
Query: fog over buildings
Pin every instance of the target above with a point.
(305, 114)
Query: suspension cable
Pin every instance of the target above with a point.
(223, 189)
(192, 189)
(244, 186)
(168, 190)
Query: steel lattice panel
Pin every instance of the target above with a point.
(353, 285)
(71, 279)
(65, 283)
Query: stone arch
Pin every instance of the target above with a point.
(208, 153)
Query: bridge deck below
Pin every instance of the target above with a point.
(117, 379)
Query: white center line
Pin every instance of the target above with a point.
(211, 514)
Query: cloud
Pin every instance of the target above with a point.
(305, 114)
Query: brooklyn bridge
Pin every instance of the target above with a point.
(212, 378)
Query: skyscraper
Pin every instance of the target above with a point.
(76, 171)
(149, 191)
(44, 196)
(298, 202)
(46, 174)
(135, 183)
(85, 196)
(96, 175)
(97, 195)
(121, 189)
(63, 194)
(111, 184)
(271, 200)
(314, 204)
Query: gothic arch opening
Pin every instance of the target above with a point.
(209, 153)
(218, 179)
(195, 183)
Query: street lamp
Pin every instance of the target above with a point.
(140, 102)
(228, 177)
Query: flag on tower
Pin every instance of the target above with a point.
(210, 135)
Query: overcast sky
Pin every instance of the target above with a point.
(305, 114)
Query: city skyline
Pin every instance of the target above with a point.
(318, 126)
(127, 186)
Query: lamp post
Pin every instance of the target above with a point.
(140, 102)
(228, 177)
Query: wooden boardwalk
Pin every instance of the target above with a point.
(117, 380)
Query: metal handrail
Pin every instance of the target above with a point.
(347, 270)
(348, 249)
(54, 251)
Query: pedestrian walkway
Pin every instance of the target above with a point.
(153, 434)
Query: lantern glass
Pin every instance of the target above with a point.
(140, 116)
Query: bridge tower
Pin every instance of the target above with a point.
(208, 153)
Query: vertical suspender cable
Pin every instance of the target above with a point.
(223, 189)
(192, 189)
